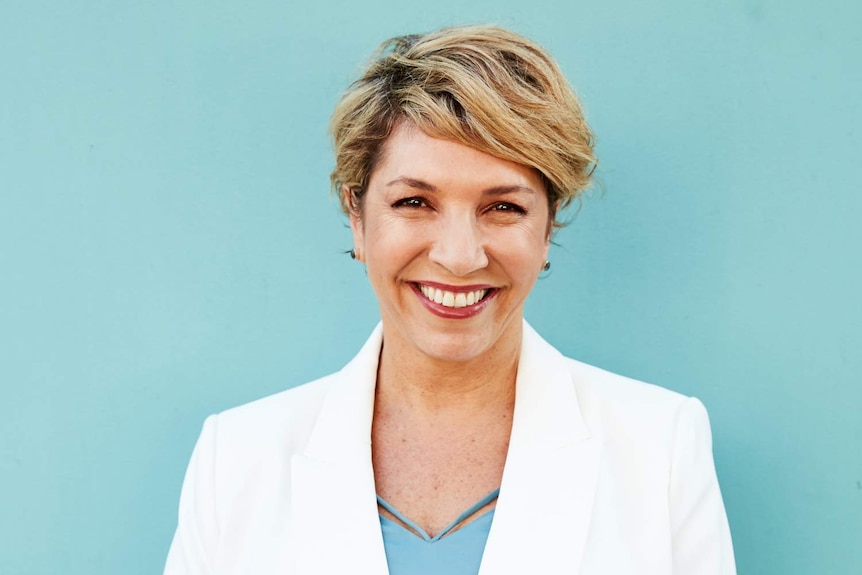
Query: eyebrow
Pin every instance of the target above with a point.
(428, 187)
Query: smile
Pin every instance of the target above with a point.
(452, 299)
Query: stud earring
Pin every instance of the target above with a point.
(353, 255)
(546, 266)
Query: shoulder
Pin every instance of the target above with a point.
(597, 388)
(247, 440)
(636, 416)
(610, 391)
(241, 451)
(285, 418)
(635, 419)
(269, 431)
(656, 464)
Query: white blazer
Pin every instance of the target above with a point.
(604, 475)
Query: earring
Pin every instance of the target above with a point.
(546, 266)
(352, 254)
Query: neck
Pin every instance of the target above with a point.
(411, 381)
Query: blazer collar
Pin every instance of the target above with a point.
(542, 516)
(343, 429)
(546, 499)
(335, 526)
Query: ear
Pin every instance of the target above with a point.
(356, 225)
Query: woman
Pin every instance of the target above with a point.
(457, 441)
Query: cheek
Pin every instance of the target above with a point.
(391, 244)
(386, 234)
(523, 244)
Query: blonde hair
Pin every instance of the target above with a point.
(482, 86)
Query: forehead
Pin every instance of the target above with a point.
(409, 153)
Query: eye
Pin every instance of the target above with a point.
(507, 207)
(411, 202)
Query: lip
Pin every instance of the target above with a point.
(454, 312)
(456, 289)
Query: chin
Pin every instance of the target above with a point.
(455, 347)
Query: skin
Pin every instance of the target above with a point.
(440, 212)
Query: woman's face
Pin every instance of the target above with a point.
(453, 240)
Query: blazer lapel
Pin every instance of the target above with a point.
(543, 514)
(334, 519)
(546, 498)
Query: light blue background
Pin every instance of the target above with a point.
(169, 248)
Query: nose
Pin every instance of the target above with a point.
(459, 245)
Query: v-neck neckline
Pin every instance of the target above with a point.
(422, 533)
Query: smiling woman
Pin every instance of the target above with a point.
(479, 227)
(457, 441)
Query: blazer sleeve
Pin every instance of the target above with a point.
(194, 544)
(700, 532)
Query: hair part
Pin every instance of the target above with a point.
(481, 86)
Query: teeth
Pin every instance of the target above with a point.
(452, 299)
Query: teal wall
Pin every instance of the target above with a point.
(168, 247)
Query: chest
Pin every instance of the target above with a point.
(432, 474)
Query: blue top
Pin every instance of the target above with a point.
(458, 554)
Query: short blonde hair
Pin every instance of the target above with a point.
(482, 86)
